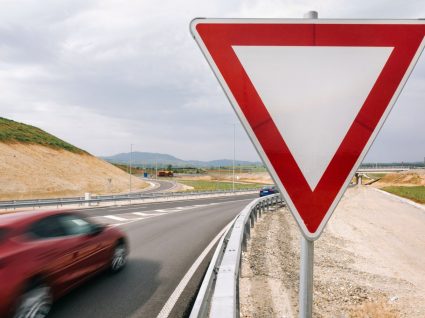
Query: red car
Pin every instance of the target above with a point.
(43, 255)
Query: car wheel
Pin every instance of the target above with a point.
(119, 257)
(36, 302)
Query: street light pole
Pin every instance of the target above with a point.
(234, 155)
(131, 158)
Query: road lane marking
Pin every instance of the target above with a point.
(114, 217)
(116, 224)
(142, 213)
(172, 300)
(126, 218)
(121, 208)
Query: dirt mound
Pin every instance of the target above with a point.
(404, 178)
(36, 171)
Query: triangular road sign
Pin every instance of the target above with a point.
(312, 95)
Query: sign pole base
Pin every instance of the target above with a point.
(306, 278)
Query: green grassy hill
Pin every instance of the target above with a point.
(14, 132)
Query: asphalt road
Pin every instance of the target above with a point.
(165, 240)
(164, 185)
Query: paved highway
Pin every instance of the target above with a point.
(165, 240)
(163, 185)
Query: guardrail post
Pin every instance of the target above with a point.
(244, 240)
(258, 207)
(87, 197)
(251, 217)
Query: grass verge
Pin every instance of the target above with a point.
(202, 185)
(14, 132)
(416, 193)
(376, 175)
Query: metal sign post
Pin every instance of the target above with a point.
(306, 278)
(306, 256)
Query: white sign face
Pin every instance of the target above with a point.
(317, 81)
(312, 95)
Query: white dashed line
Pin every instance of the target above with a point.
(114, 217)
(116, 224)
(142, 214)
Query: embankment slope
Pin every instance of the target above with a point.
(35, 164)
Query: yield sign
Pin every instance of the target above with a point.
(312, 95)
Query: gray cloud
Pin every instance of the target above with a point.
(104, 74)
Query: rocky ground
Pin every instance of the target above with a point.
(368, 262)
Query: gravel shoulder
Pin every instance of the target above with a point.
(368, 262)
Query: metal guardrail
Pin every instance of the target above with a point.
(218, 296)
(111, 198)
(390, 167)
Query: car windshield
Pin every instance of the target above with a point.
(3, 233)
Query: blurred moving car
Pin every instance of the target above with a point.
(268, 190)
(44, 255)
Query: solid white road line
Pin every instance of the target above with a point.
(169, 305)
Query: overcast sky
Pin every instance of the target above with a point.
(104, 74)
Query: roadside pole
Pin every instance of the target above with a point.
(234, 155)
(306, 256)
(306, 278)
(131, 159)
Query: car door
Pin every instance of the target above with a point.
(53, 252)
(89, 245)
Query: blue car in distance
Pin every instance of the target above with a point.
(267, 190)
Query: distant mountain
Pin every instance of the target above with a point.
(151, 159)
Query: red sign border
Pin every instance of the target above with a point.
(311, 209)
